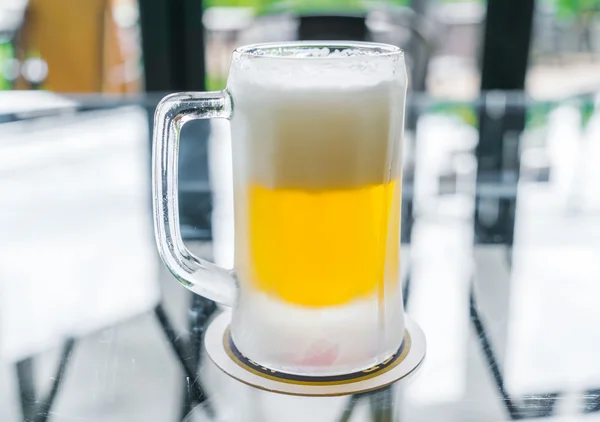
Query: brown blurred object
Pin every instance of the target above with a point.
(88, 45)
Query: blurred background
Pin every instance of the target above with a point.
(74, 47)
(500, 214)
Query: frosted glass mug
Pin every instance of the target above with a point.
(317, 150)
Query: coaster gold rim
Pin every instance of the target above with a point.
(403, 367)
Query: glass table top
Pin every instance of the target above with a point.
(500, 268)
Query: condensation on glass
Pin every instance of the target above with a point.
(317, 151)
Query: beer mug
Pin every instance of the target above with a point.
(317, 149)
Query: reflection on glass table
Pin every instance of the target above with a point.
(511, 321)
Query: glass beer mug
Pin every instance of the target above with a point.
(317, 148)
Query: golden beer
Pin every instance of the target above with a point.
(321, 247)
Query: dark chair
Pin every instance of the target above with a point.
(332, 27)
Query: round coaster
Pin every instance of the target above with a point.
(400, 366)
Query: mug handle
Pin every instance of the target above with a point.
(173, 111)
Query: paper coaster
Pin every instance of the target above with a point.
(399, 366)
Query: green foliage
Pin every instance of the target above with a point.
(537, 116)
(325, 5)
(303, 6)
(462, 112)
(587, 111)
(216, 82)
(6, 53)
(571, 8)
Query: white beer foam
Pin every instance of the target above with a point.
(305, 67)
(305, 51)
(333, 131)
(352, 73)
